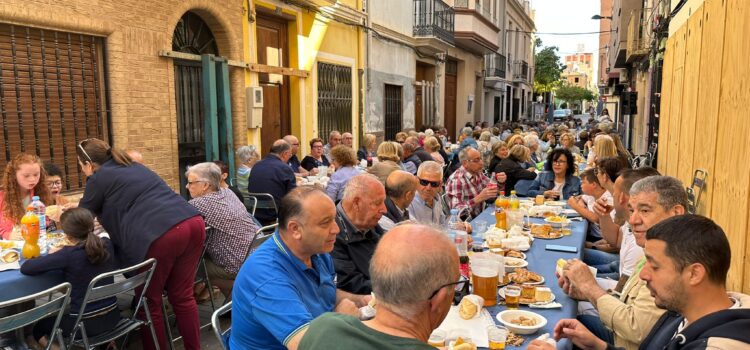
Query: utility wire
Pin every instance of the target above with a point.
(580, 33)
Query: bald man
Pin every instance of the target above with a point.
(273, 176)
(357, 215)
(400, 188)
(293, 161)
(408, 312)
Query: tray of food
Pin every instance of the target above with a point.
(524, 276)
(532, 295)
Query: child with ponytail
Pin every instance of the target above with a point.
(85, 257)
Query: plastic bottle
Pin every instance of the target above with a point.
(30, 233)
(514, 201)
(461, 239)
(500, 215)
(41, 212)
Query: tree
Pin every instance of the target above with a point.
(547, 68)
(571, 93)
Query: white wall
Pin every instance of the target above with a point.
(396, 15)
(394, 64)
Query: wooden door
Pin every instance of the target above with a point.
(273, 50)
(451, 86)
(418, 106)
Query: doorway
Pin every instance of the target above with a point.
(273, 50)
(451, 87)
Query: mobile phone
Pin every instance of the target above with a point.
(561, 248)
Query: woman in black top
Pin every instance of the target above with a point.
(315, 159)
(499, 152)
(145, 218)
(512, 168)
(87, 257)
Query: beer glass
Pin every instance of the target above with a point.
(437, 338)
(497, 337)
(484, 278)
(512, 297)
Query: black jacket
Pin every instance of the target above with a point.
(393, 212)
(414, 158)
(514, 172)
(270, 175)
(363, 153)
(423, 154)
(308, 163)
(135, 206)
(352, 253)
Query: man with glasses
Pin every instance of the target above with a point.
(467, 188)
(293, 161)
(334, 139)
(426, 208)
(414, 290)
(347, 139)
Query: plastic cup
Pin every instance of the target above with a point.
(480, 227)
(497, 337)
(512, 297)
(438, 337)
(484, 278)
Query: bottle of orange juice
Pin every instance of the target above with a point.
(501, 204)
(30, 234)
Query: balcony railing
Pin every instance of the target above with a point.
(434, 18)
(494, 65)
(521, 70)
(639, 34)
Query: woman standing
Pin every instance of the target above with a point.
(145, 219)
(557, 181)
(315, 159)
(23, 178)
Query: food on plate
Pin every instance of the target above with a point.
(521, 276)
(461, 344)
(556, 219)
(540, 229)
(470, 306)
(513, 339)
(513, 262)
(498, 251)
(514, 254)
(494, 241)
(7, 244)
(542, 295)
(10, 256)
(524, 321)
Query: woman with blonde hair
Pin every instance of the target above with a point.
(604, 147)
(515, 139)
(23, 179)
(367, 151)
(432, 145)
(345, 161)
(568, 141)
(389, 160)
(512, 168)
(622, 152)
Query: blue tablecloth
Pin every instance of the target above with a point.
(543, 262)
(14, 284)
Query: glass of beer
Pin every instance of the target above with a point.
(437, 338)
(484, 278)
(539, 200)
(512, 297)
(528, 292)
(497, 337)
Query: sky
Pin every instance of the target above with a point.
(568, 16)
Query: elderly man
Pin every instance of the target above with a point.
(420, 152)
(400, 188)
(627, 319)
(687, 260)
(232, 230)
(293, 161)
(357, 216)
(347, 139)
(334, 139)
(409, 159)
(467, 187)
(414, 290)
(289, 280)
(426, 207)
(273, 176)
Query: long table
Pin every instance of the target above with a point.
(14, 284)
(543, 262)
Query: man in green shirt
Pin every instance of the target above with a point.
(413, 290)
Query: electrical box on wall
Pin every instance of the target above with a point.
(254, 106)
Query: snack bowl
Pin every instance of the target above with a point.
(557, 221)
(513, 263)
(505, 317)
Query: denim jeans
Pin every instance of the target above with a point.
(595, 325)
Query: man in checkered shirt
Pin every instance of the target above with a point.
(467, 186)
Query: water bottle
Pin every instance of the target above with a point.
(41, 212)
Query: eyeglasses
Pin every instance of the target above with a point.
(317, 146)
(434, 184)
(560, 162)
(54, 184)
(192, 182)
(461, 284)
(476, 160)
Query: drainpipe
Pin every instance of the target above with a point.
(366, 88)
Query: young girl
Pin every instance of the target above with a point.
(23, 178)
(87, 257)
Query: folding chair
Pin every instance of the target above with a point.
(55, 305)
(263, 201)
(695, 190)
(263, 234)
(96, 292)
(221, 334)
(251, 203)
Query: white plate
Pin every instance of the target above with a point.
(532, 283)
(555, 203)
(557, 224)
(510, 268)
(501, 293)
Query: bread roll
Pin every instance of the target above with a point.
(470, 306)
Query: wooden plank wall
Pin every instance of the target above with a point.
(704, 124)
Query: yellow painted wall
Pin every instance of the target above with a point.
(704, 122)
(312, 38)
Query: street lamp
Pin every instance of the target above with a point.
(601, 17)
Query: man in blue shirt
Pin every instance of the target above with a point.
(293, 161)
(273, 176)
(289, 280)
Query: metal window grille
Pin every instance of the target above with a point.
(51, 95)
(434, 18)
(393, 115)
(334, 98)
